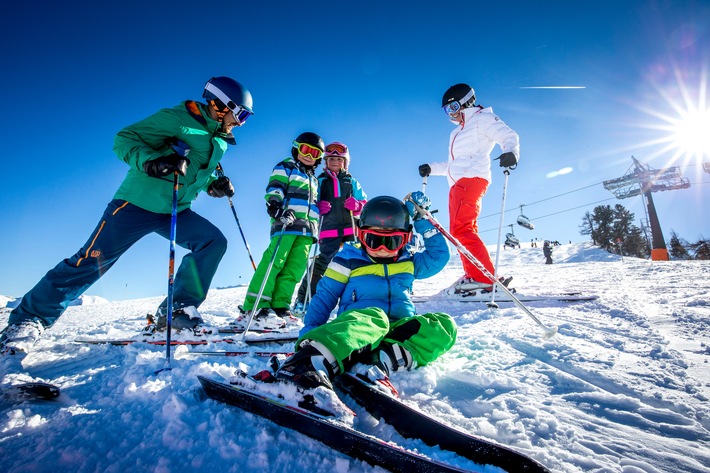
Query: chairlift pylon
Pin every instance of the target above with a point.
(523, 221)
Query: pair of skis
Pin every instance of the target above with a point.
(409, 422)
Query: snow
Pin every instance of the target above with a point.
(623, 387)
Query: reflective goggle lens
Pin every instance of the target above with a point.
(336, 149)
(241, 115)
(308, 150)
(452, 108)
(377, 240)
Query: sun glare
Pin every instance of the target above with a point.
(691, 134)
(680, 124)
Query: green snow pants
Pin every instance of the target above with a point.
(357, 333)
(287, 270)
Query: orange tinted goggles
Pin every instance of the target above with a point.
(308, 150)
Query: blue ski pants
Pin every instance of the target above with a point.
(122, 225)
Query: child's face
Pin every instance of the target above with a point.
(334, 163)
(306, 159)
(381, 253)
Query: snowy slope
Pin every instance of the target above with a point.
(623, 387)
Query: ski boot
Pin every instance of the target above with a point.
(310, 367)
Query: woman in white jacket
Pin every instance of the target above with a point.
(468, 170)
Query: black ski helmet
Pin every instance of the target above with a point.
(229, 92)
(309, 138)
(385, 212)
(461, 93)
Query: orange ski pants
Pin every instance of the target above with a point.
(464, 208)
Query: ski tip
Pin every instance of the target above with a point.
(161, 370)
(33, 391)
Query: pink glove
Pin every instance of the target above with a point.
(324, 207)
(354, 205)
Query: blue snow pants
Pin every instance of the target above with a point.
(122, 225)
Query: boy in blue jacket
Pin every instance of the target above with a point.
(370, 282)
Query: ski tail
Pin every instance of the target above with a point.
(411, 423)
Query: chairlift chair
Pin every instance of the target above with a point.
(511, 241)
(523, 221)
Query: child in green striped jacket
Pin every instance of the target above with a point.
(291, 197)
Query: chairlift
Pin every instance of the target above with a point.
(511, 241)
(523, 221)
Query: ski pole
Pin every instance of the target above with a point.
(424, 179)
(549, 331)
(352, 223)
(171, 268)
(266, 277)
(492, 302)
(220, 173)
(309, 279)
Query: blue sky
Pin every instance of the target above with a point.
(369, 74)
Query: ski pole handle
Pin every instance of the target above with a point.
(180, 147)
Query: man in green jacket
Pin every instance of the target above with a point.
(189, 139)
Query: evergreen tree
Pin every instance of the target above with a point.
(587, 227)
(623, 221)
(613, 230)
(678, 247)
(701, 248)
(603, 219)
(636, 244)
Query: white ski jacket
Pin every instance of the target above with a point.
(470, 145)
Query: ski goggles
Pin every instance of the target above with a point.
(240, 113)
(336, 149)
(454, 107)
(391, 241)
(308, 150)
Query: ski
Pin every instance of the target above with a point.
(501, 298)
(258, 354)
(325, 429)
(411, 423)
(281, 337)
(29, 391)
(235, 328)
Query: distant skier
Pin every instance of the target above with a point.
(469, 173)
(547, 251)
(369, 283)
(340, 200)
(143, 205)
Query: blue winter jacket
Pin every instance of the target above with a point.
(354, 281)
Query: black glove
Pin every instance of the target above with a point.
(221, 187)
(166, 165)
(508, 160)
(277, 212)
(273, 207)
(424, 170)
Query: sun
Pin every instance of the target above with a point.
(691, 133)
(680, 122)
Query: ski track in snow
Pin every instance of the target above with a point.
(623, 387)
